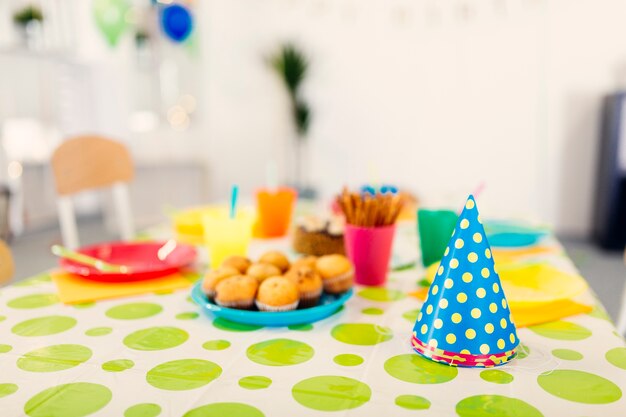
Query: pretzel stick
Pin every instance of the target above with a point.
(347, 207)
(386, 207)
(354, 208)
(369, 211)
(375, 210)
(396, 211)
(357, 210)
(363, 212)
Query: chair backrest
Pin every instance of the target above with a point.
(7, 267)
(87, 162)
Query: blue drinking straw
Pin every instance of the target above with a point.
(234, 192)
(389, 189)
(368, 189)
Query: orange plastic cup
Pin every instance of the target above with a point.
(274, 208)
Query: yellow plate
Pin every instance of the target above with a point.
(188, 222)
(431, 271)
(526, 285)
(539, 283)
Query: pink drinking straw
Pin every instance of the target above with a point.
(477, 191)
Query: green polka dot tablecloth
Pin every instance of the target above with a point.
(159, 355)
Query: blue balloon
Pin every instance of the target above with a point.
(176, 22)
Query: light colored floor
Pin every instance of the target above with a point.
(32, 251)
(605, 271)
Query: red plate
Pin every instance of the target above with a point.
(140, 257)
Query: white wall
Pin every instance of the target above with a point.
(438, 96)
(426, 94)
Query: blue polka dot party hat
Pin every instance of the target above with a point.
(465, 320)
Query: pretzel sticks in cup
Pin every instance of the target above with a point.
(367, 210)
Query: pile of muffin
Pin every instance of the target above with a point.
(274, 284)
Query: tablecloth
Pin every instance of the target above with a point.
(160, 355)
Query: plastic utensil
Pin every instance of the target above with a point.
(328, 305)
(81, 258)
(166, 250)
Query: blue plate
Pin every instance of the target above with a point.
(514, 240)
(328, 305)
(511, 234)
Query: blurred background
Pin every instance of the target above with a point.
(518, 97)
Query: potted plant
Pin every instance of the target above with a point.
(142, 37)
(292, 65)
(27, 20)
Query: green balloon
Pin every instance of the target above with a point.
(110, 18)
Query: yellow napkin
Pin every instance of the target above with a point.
(546, 312)
(75, 289)
(529, 285)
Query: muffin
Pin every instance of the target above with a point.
(336, 272)
(212, 278)
(304, 261)
(277, 294)
(309, 284)
(277, 259)
(240, 262)
(262, 271)
(236, 292)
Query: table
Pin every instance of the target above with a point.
(156, 354)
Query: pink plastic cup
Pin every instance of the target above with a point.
(369, 249)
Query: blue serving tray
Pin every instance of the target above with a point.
(328, 305)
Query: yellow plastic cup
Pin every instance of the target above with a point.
(188, 224)
(224, 236)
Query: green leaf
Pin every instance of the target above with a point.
(291, 65)
(28, 14)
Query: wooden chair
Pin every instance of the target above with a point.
(7, 267)
(88, 162)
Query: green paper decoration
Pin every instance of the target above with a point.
(110, 18)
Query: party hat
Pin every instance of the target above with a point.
(465, 320)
